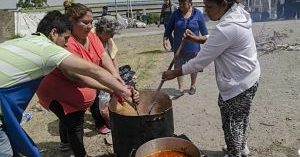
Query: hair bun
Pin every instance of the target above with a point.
(67, 4)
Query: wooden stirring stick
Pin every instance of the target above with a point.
(163, 81)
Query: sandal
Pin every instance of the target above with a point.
(179, 94)
(192, 90)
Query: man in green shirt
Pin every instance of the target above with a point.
(24, 62)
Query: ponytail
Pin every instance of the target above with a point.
(75, 11)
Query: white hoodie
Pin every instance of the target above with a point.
(232, 47)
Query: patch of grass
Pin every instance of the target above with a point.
(153, 18)
(145, 59)
(14, 36)
(145, 66)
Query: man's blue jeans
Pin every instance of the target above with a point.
(5, 147)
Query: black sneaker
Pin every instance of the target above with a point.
(64, 147)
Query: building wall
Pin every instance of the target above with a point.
(26, 23)
(7, 25)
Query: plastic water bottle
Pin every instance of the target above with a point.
(27, 116)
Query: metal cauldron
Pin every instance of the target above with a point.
(129, 130)
(168, 143)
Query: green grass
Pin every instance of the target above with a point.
(144, 55)
(14, 37)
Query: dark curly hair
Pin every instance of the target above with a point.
(54, 19)
(105, 24)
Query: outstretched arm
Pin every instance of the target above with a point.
(171, 74)
(85, 81)
(80, 66)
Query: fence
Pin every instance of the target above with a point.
(22, 23)
(125, 8)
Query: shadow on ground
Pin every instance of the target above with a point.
(174, 93)
(50, 149)
(210, 153)
(53, 128)
(170, 91)
(89, 127)
(152, 52)
(204, 153)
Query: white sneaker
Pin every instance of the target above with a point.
(244, 152)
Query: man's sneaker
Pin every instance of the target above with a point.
(244, 152)
(64, 147)
(103, 129)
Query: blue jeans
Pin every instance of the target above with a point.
(5, 147)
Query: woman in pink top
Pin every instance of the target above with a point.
(67, 97)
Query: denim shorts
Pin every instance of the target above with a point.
(184, 58)
(5, 147)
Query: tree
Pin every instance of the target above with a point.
(31, 3)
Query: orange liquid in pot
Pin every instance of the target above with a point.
(167, 153)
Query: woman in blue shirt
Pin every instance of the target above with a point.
(166, 11)
(186, 18)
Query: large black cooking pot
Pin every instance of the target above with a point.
(129, 130)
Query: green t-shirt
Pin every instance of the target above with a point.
(28, 58)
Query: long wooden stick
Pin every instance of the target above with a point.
(169, 68)
(133, 101)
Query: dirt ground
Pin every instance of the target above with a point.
(275, 120)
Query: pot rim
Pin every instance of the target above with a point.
(152, 142)
(146, 115)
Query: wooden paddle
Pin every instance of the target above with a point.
(169, 68)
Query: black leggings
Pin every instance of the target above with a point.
(70, 128)
(235, 120)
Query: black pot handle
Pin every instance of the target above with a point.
(132, 152)
(155, 119)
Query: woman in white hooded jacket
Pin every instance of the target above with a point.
(232, 48)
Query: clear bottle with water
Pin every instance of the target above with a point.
(27, 116)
